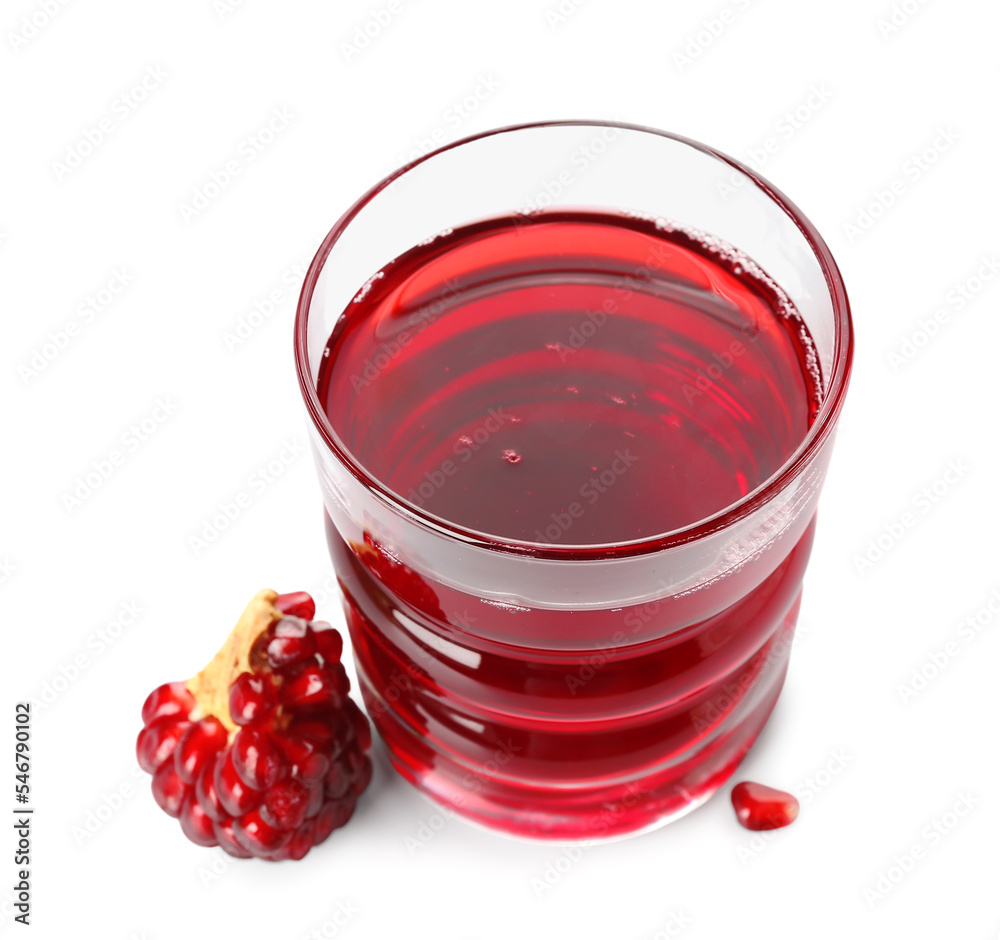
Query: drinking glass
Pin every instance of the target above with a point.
(571, 691)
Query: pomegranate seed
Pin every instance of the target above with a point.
(297, 604)
(196, 824)
(343, 810)
(226, 838)
(329, 642)
(363, 777)
(302, 840)
(170, 699)
(340, 680)
(308, 764)
(317, 796)
(202, 740)
(314, 688)
(290, 641)
(235, 796)
(256, 836)
(204, 790)
(343, 735)
(314, 730)
(355, 761)
(759, 807)
(285, 805)
(359, 722)
(338, 780)
(251, 698)
(156, 742)
(325, 822)
(314, 769)
(255, 758)
(333, 815)
(169, 790)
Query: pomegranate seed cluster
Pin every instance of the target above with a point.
(263, 753)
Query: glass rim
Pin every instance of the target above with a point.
(819, 432)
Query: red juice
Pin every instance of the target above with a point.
(569, 378)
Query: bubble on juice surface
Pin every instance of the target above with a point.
(367, 286)
(742, 265)
(511, 456)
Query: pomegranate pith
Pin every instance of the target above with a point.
(262, 753)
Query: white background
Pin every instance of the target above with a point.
(68, 570)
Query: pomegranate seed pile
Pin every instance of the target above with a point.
(262, 753)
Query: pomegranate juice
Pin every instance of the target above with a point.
(569, 378)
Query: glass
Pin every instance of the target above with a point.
(548, 689)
